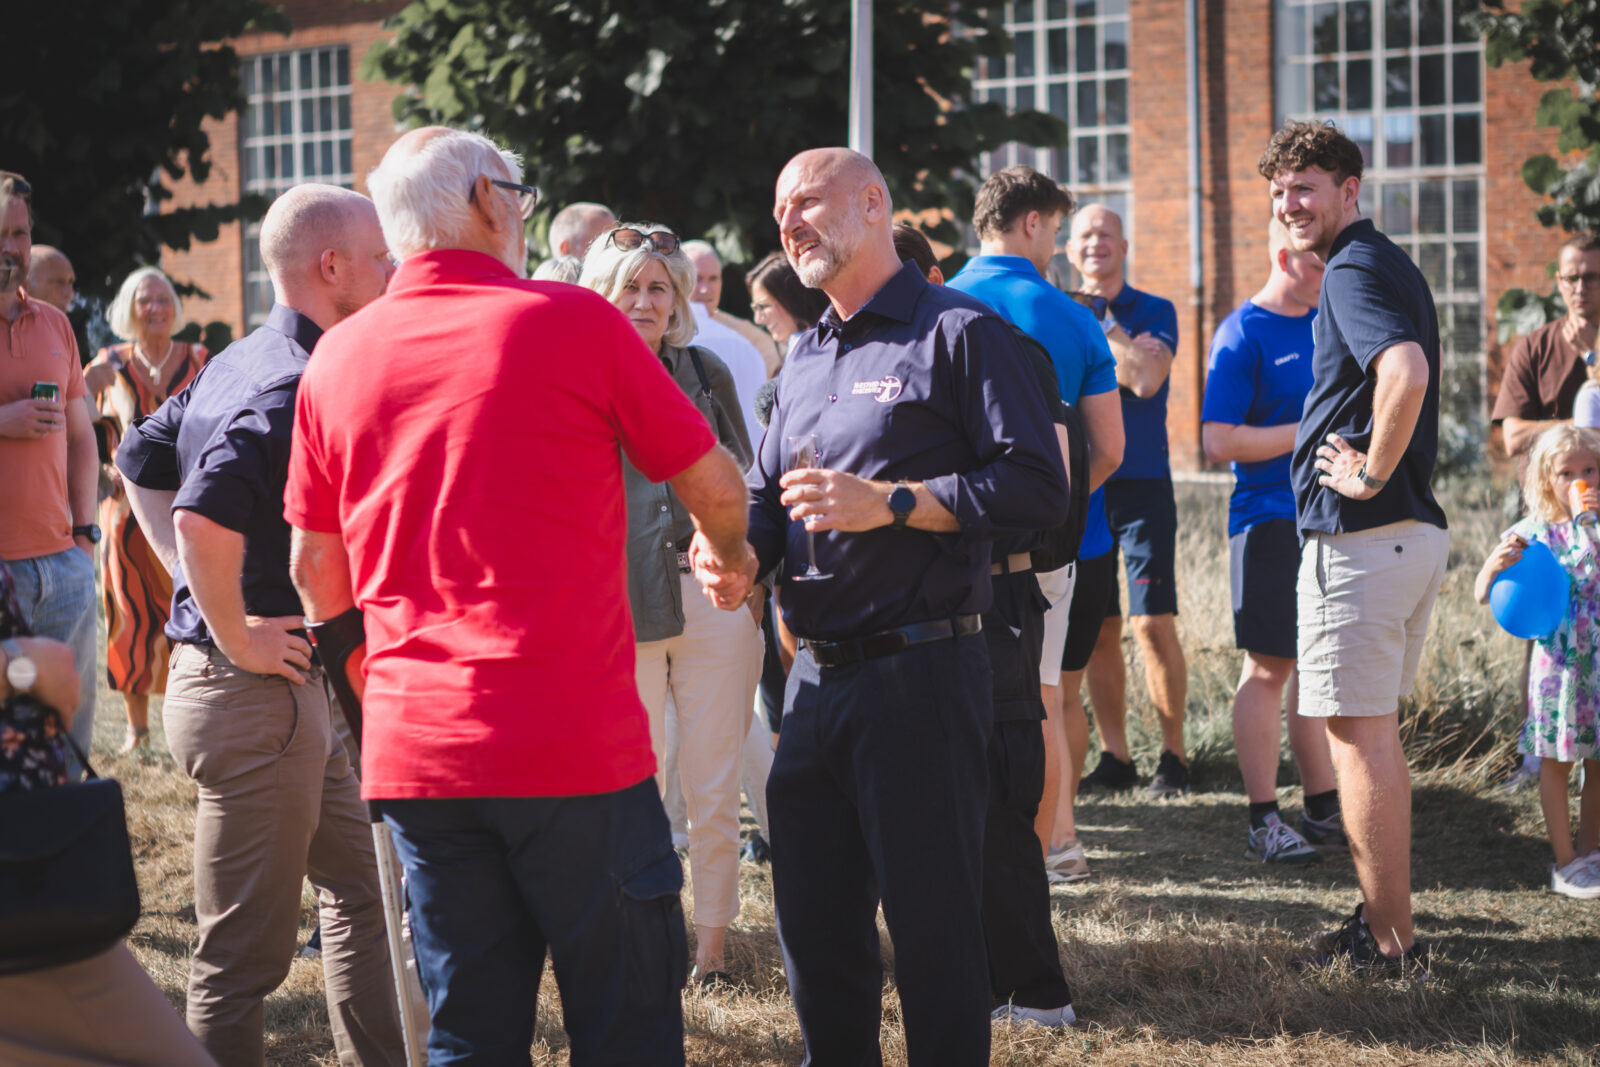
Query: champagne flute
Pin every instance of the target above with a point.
(805, 452)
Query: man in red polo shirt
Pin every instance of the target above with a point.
(456, 475)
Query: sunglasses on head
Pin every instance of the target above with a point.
(627, 239)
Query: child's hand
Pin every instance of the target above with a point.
(1591, 499)
(1505, 554)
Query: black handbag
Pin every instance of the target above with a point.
(67, 888)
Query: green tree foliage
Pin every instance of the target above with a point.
(684, 113)
(101, 108)
(1561, 41)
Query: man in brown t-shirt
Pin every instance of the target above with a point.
(1548, 366)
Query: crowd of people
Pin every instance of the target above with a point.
(855, 560)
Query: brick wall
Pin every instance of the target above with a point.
(218, 266)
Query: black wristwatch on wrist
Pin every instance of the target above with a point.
(91, 531)
(902, 501)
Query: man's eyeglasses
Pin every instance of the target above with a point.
(627, 239)
(1574, 281)
(527, 195)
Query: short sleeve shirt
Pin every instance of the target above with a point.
(37, 346)
(1542, 377)
(464, 433)
(1258, 374)
(1373, 297)
(1144, 420)
(1067, 330)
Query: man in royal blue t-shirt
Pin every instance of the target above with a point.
(1256, 385)
(1374, 537)
(1142, 330)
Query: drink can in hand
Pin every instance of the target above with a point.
(1580, 513)
(46, 391)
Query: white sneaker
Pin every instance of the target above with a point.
(1050, 1018)
(1066, 865)
(1579, 879)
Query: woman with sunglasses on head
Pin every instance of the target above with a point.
(707, 660)
(782, 303)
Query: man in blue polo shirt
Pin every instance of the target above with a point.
(1256, 385)
(1142, 330)
(1375, 543)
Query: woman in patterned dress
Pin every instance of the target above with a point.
(129, 380)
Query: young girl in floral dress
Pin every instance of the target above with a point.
(1564, 677)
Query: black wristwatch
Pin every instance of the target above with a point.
(91, 531)
(901, 501)
(1370, 481)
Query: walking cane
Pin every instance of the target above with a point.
(336, 639)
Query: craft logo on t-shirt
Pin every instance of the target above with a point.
(883, 390)
(1281, 360)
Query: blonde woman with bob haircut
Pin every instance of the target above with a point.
(131, 380)
(707, 660)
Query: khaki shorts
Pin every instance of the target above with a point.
(1364, 600)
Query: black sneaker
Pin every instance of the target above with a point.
(1111, 776)
(756, 850)
(1171, 778)
(1353, 944)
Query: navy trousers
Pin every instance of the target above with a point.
(1024, 960)
(492, 882)
(877, 793)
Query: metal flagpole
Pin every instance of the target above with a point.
(861, 76)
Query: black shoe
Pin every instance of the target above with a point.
(1353, 944)
(756, 850)
(1111, 776)
(1171, 778)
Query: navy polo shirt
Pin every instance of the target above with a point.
(923, 384)
(223, 444)
(1258, 375)
(1373, 297)
(1144, 420)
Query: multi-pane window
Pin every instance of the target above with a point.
(1070, 58)
(295, 127)
(1404, 79)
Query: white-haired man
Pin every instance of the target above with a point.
(743, 359)
(247, 713)
(576, 226)
(507, 747)
(708, 295)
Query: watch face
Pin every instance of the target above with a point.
(902, 499)
(21, 673)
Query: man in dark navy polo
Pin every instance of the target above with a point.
(246, 712)
(934, 439)
(1142, 330)
(1374, 543)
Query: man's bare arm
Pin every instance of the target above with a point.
(1143, 362)
(1102, 424)
(1228, 443)
(1401, 385)
(1519, 434)
(213, 560)
(713, 490)
(83, 467)
(153, 510)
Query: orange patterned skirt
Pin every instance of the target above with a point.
(138, 601)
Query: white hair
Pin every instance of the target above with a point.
(572, 221)
(607, 269)
(120, 314)
(560, 269)
(701, 248)
(422, 195)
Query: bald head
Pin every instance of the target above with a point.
(325, 252)
(1097, 246)
(707, 273)
(576, 226)
(835, 222)
(50, 277)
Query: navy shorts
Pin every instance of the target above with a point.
(1263, 562)
(1144, 525)
(1096, 586)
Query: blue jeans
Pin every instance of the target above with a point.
(493, 882)
(57, 597)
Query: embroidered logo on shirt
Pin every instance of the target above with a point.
(882, 389)
(1281, 360)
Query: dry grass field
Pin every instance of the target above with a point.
(1177, 949)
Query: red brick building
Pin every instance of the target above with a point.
(1445, 139)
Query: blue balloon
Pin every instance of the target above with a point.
(1529, 598)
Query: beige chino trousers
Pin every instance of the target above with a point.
(711, 671)
(278, 802)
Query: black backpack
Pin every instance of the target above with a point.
(1055, 548)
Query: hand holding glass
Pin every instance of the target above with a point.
(803, 453)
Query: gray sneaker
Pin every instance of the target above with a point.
(1051, 1018)
(1324, 833)
(1579, 879)
(1066, 865)
(1275, 842)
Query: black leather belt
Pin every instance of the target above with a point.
(888, 642)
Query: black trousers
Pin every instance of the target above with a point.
(877, 793)
(1024, 959)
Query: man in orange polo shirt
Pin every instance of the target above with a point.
(48, 464)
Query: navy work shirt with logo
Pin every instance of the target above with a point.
(923, 384)
(223, 443)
